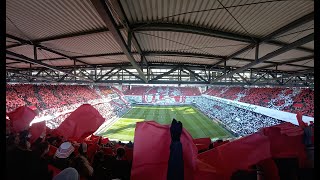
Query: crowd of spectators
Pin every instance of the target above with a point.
(56, 102)
(284, 99)
(133, 99)
(108, 110)
(241, 121)
(97, 158)
(181, 91)
(303, 102)
(52, 157)
(45, 97)
(13, 99)
(60, 100)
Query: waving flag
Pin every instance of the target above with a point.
(204, 141)
(21, 118)
(36, 130)
(284, 144)
(152, 150)
(238, 154)
(81, 123)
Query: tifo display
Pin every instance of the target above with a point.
(103, 133)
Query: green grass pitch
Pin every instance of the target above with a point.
(193, 120)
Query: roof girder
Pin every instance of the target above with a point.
(107, 18)
(275, 53)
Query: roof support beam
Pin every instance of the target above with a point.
(235, 79)
(113, 74)
(45, 48)
(256, 55)
(131, 73)
(28, 60)
(86, 75)
(182, 54)
(305, 82)
(262, 76)
(188, 75)
(37, 41)
(64, 76)
(195, 74)
(30, 76)
(152, 65)
(289, 61)
(106, 16)
(274, 77)
(164, 53)
(189, 29)
(120, 12)
(61, 54)
(243, 78)
(290, 75)
(288, 80)
(282, 50)
(106, 74)
(269, 37)
(165, 74)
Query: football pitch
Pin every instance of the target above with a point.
(193, 120)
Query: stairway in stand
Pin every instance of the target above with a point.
(36, 93)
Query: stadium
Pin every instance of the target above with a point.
(134, 89)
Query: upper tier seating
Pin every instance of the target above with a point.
(284, 99)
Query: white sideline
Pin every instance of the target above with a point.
(109, 123)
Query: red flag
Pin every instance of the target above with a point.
(104, 140)
(270, 169)
(129, 153)
(36, 130)
(91, 151)
(284, 146)
(238, 154)
(52, 151)
(21, 118)
(152, 149)
(108, 151)
(204, 141)
(202, 147)
(95, 139)
(48, 130)
(299, 118)
(83, 121)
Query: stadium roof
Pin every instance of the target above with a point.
(222, 42)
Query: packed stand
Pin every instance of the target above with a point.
(183, 91)
(13, 99)
(17, 95)
(242, 122)
(133, 99)
(57, 101)
(47, 96)
(284, 99)
(136, 90)
(303, 102)
(76, 93)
